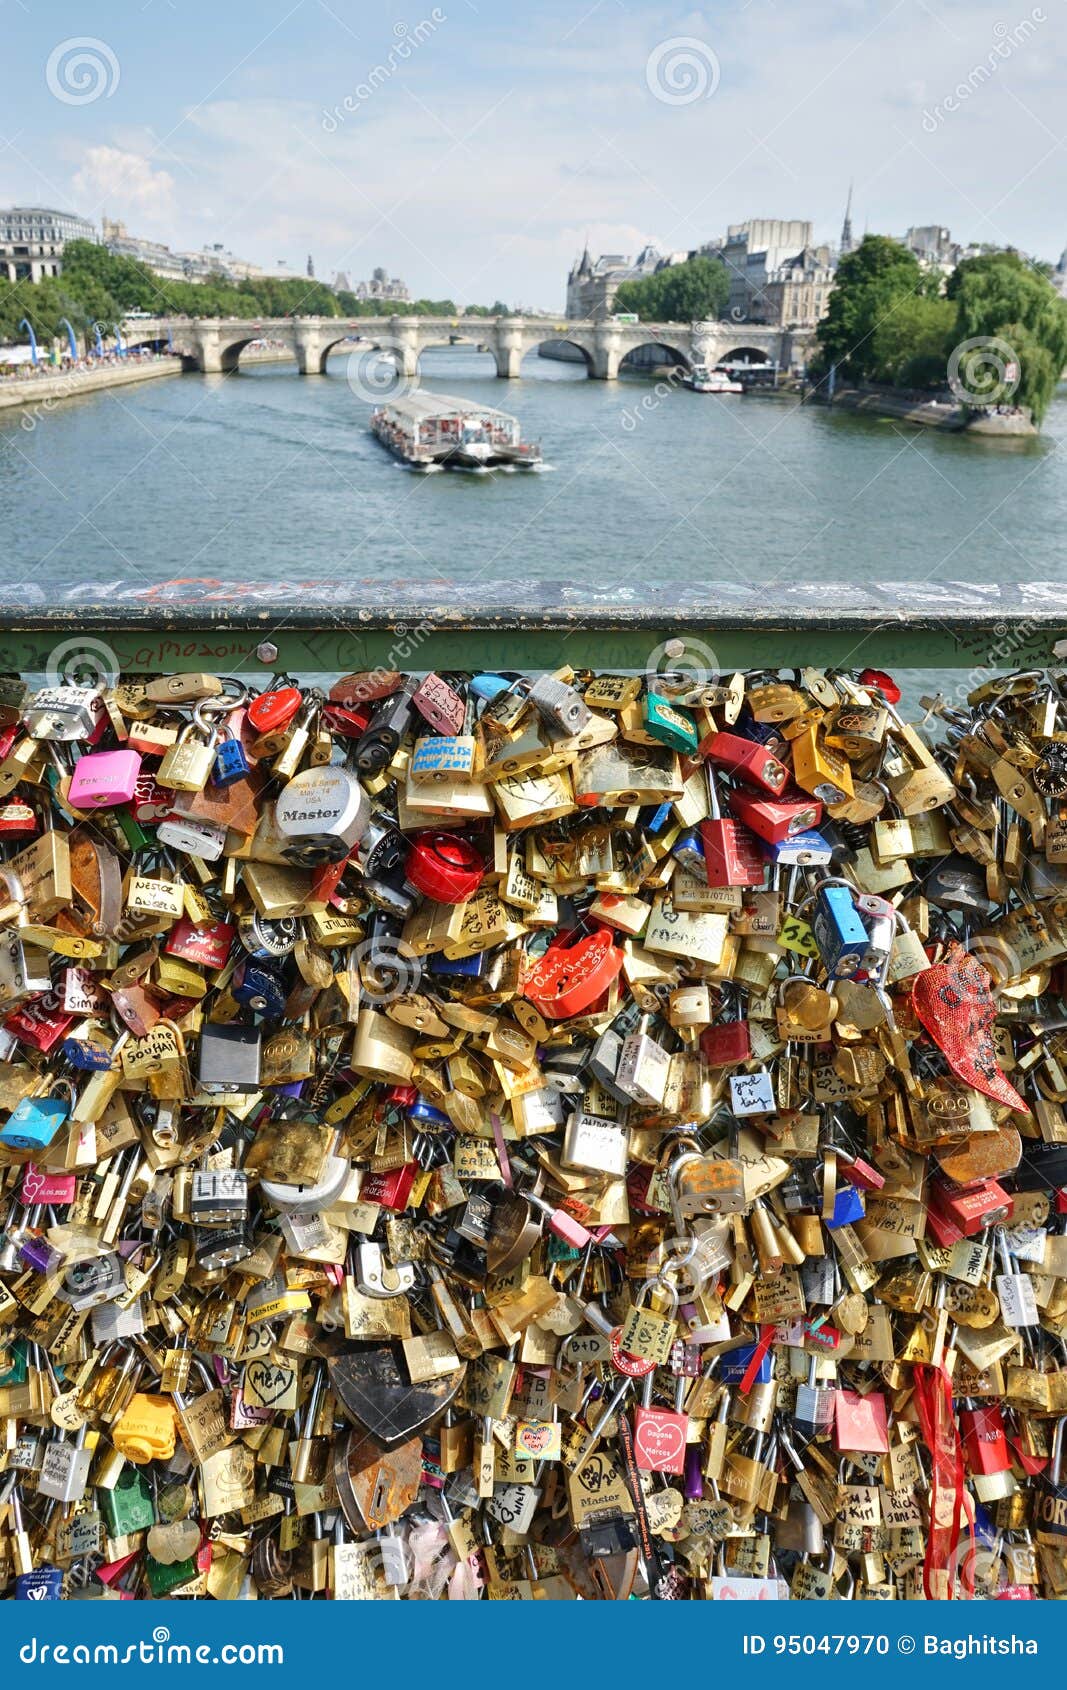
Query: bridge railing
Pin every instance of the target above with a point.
(513, 625)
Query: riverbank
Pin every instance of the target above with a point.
(930, 413)
(71, 384)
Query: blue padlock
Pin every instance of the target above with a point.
(34, 1122)
(489, 686)
(803, 850)
(231, 762)
(688, 850)
(84, 1055)
(259, 988)
(734, 1365)
(40, 1584)
(848, 1207)
(839, 932)
(466, 967)
(424, 1112)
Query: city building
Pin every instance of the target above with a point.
(32, 238)
(1059, 275)
(753, 252)
(382, 286)
(593, 283)
(158, 257)
(796, 294)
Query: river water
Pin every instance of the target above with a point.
(268, 477)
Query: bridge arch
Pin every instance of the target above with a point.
(748, 355)
(230, 355)
(476, 341)
(348, 342)
(562, 349)
(632, 362)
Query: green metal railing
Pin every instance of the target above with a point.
(422, 625)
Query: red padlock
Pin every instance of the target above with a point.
(206, 943)
(726, 1044)
(659, 1440)
(444, 866)
(775, 819)
(571, 976)
(18, 820)
(391, 1189)
(984, 1439)
(747, 759)
(731, 854)
(274, 709)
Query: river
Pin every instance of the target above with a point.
(269, 477)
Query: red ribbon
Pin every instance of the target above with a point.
(933, 1400)
(766, 1338)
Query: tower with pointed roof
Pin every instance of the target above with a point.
(847, 242)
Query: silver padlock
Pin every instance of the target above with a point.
(320, 814)
(591, 1142)
(64, 713)
(643, 1066)
(560, 705)
(376, 1278)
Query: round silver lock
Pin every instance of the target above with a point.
(320, 815)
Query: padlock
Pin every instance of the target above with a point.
(321, 814)
(103, 778)
(186, 767)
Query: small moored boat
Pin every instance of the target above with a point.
(703, 380)
(433, 431)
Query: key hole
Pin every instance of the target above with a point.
(378, 1499)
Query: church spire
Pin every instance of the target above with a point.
(846, 227)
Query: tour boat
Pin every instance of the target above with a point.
(429, 431)
(703, 380)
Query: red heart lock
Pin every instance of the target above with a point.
(954, 1002)
(659, 1440)
(570, 977)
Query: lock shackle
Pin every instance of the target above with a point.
(1056, 1462)
(648, 1290)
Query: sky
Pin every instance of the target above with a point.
(471, 147)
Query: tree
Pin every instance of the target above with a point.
(910, 344)
(1001, 298)
(679, 293)
(870, 288)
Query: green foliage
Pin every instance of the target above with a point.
(680, 293)
(870, 286)
(97, 286)
(1001, 297)
(910, 344)
(887, 323)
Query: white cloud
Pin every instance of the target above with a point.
(125, 184)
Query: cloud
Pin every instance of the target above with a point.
(125, 183)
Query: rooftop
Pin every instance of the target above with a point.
(421, 404)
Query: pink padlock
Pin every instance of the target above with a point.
(104, 777)
(45, 1185)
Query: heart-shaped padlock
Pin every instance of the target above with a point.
(571, 976)
(373, 1389)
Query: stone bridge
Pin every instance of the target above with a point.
(214, 344)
